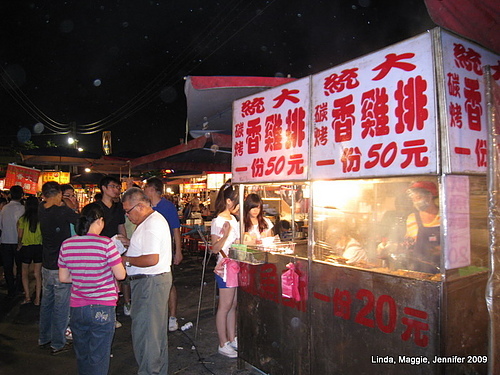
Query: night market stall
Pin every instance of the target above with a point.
(379, 169)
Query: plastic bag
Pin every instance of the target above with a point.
(228, 269)
(290, 283)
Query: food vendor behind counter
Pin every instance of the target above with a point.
(342, 239)
(423, 228)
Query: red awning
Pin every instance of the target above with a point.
(210, 100)
(478, 20)
(211, 152)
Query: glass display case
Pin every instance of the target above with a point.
(396, 225)
(286, 206)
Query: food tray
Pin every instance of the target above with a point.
(285, 248)
(248, 255)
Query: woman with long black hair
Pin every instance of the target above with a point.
(30, 244)
(224, 232)
(256, 225)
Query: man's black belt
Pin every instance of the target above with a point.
(143, 276)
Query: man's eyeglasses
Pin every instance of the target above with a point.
(118, 187)
(69, 195)
(128, 211)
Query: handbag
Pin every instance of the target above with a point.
(228, 270)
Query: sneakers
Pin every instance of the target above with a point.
(172, 324)
(68, 334)
(117, 324)
(65, 348)
(126, 308)
(234, 344)
(228, 351)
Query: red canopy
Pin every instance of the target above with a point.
(478, 20)
(210, 99)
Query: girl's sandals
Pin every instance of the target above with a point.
(26, 301)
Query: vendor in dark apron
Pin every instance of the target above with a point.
(426, 253)
(423, 229)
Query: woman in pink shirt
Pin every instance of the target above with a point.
(92, 264)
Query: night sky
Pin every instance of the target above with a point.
(120, 65)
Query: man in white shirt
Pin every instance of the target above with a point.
(9, 216)
(148, 261)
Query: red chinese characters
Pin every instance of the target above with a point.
(481, 152)
(320, 135)
(415, 151)
(415, 327)
(264, 281)
(257, 167)
(25, 177)
(272, 142)
(454, 85)
(473, 106)
(343, 118)
(466, 106)
(347, 79)
(389, 102)
(455, 111)
(321, 112)
(411, 111)
(394, 61)
(273, 134)
(342, 304)
(286, 95)
(238, 148)
(380, 313)
(253, 136)
(269, 282)
(351, 159)
(467, 58)
(374, 113)
(251, 107)
(296, 125)
(296, 164)
(239, 130)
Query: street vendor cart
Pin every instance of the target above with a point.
(379, 168)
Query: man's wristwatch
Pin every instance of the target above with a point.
(127, 264)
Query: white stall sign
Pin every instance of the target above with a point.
(375, 115)
(466, 109)
(271, 134)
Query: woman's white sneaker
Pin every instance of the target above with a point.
(172, 324)
(234, 344)
(228, 350)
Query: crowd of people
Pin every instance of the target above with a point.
(84, 259)
(120, 244)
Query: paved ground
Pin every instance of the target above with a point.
(188, 355)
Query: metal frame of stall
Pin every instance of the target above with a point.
(395, 323)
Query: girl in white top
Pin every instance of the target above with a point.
(225, 231)
(256, 225)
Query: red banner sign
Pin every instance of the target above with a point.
(25, 177)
